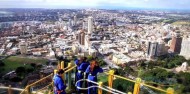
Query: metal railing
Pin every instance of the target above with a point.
(68, 69)
(100, 87)
(111, 77)
(10, 89)
(137, 83)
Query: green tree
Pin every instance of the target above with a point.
(20, 71)
(33, 65)
(2, 63)
(123, 85)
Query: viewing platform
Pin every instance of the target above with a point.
(45, 85)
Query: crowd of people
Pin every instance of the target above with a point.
(84, 70)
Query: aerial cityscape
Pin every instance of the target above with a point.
(147, 40)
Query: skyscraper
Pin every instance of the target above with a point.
(75, 20)
(81, 37)
(90, 25)
(152, 49)
(185, 48)
(69, 23)
(175, 46)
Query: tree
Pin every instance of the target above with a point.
(2, 63)
(123, 85)
(20, 71)
(33, 65)
(16, 79)
(89, 58)
(29, 70)
(128, 70)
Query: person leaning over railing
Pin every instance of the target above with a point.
(81, 68)
(59, 87)
(93, 69)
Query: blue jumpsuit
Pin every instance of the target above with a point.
(59, 85)
(93, 77)
(80, 75)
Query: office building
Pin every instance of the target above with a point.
(82, 38)
(90, 25)
(75, 20)
(175, 46)
(152, 49)
(161, 49)
(185, 48)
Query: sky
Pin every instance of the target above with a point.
(109, 4)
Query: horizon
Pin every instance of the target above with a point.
(98, 4)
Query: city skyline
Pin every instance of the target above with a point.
(104, 4)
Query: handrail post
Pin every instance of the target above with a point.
(58, 65)
(9, 90)
(170, 91)
(62, 67)
(27, 90)
(99, 89)
(110, 78)
(55, 72)
(129, 93)
(69, 77)
(137, 86)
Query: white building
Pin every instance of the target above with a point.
(90, 25)
(185, 48)
(75, 20)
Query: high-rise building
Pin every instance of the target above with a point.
(185, 48)
(162, 49)
(23, 47)
(152, 49)
(79, 38)
(90, 25)
(70, 23)
(75, 20)
(175, 46)
(82, 38)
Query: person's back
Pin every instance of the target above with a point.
(82, 65)
(93, 69)
(59, 87)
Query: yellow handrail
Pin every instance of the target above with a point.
(124, 78)
(35, 83)
(69, 68)
(45, 87)
(40, 80)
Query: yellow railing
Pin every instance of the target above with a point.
(27, 89)
(137, 83)
(68, 69)
(10, 89)
(136, 88)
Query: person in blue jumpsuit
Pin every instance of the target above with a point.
(81, 68)
(93, 69)
(59, 87)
